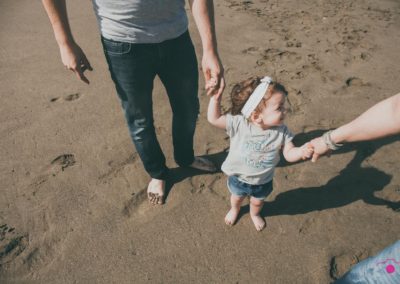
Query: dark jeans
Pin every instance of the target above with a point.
(133, 68)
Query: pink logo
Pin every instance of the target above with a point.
(390, 268)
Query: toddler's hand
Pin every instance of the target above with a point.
(307, 151)
(211, 86)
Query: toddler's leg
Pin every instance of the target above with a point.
(255, 209)
(232, 215)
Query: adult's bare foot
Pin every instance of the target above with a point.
(156, 191)
(231, 217)
(258, 221)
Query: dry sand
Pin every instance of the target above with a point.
(72, 192)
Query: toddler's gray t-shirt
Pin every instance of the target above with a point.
(254, 152)
(141, 21)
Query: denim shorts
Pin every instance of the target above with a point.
(240, 188)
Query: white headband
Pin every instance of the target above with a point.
(256, 97)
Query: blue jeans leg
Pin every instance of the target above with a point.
(133, 68)
(179, 74)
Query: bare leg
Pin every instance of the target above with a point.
(255, 209)
(156, 191)
(232, 215)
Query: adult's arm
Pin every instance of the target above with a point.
(382, 119)
(213, 71)
(72, 55)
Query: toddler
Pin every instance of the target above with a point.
(257, 135)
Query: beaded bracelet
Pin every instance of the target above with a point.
(328, 141)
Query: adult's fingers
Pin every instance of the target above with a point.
(86, 63)
(210, 89)
(81, 76)
(206, 74)
(218, 86)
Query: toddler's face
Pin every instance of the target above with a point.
(274, 112)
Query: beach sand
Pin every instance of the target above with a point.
(73, 205)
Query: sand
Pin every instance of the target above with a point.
(73, 206)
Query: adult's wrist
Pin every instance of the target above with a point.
(210, 51)
(338, 135)
(330, 142)
(63, 36)
(64, 42)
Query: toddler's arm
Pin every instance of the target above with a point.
(214, 112)
(294, 154)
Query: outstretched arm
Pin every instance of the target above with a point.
(382, 119)
(203, 14)
(72, 55)
(214, 112)
(294, 154)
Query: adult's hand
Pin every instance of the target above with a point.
(320, 148)
(213, 72)
(74, 59)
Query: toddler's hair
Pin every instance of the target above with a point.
(242, 91)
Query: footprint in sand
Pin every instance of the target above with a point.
(72, 97)
(68, 98)
(273, 54)
(214, 184)
(63, 161)
(11, 245)
(376, 14)
(293, 43)
(365, 56)
(117, 169)
(352, 86)
(250, 50)
(342, 263)
(354, 81)
(56, 166)
(139, 205)
(294, 101)
(134, 204)
(305, 227)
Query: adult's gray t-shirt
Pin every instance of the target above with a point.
(253, 152)
(141, 21)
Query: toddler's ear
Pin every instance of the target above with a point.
(255, 117)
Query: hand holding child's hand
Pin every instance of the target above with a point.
(320, 148)
(307, 151)
(211, 87)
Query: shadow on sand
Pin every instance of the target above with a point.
(353, 183)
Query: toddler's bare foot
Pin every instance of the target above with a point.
(155, 191)
(258, 222)
(231, 217)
